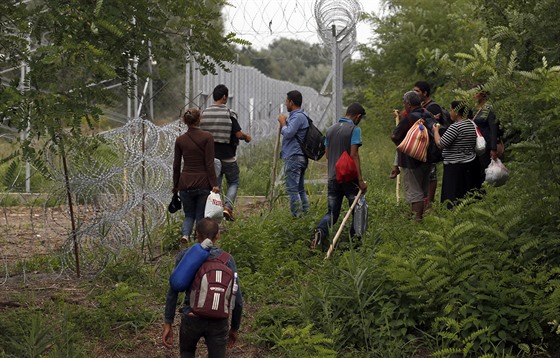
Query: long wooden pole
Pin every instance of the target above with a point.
(274, 164)
(331, 248)
(398, 178)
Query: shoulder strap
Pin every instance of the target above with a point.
(223, 257)
(232, 114)
(478, 112)
(198, 145)
(309, 122)
(411, 120)
(431, 103)
(350, 142)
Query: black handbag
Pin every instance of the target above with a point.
(175, 204)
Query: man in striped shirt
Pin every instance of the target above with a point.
(222, 122)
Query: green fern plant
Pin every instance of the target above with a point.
(303, 343)
(11, 176)
(35, 340)
(450, 339)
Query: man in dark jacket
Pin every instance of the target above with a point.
(416, 174)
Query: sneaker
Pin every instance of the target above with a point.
(396, 171)
(185, 239)
(228, 214)
(316, 239)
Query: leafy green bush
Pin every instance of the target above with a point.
(31, 334)
(296, 342)
(270, 321)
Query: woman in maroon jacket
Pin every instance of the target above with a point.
(195, 149)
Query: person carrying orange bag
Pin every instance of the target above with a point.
(416, 142)
(415, 172)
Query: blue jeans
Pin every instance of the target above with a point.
(215, 333)
(231, 172)
(294, 168)
(337, 192)
(194, 201)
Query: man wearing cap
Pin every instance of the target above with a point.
(344, 136)
(416, 174)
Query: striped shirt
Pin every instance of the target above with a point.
(215, 119)
(458, 142)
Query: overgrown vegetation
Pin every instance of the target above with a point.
(481, 280)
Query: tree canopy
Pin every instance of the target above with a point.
(74, 48)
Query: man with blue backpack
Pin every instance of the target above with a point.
(212, 296)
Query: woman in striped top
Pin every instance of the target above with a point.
(460, 164)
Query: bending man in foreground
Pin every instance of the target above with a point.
(344, 136)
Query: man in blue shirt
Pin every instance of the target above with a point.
(344, 136)
(295, 162)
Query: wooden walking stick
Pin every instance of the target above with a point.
(274, 163)
(398, 178)
(331, 248)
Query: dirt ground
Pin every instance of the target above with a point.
(27, 232)
(41, 288)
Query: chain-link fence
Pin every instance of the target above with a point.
(119, 193)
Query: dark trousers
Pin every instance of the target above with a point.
(336, 193)
(215, 333)
(458, 180)
(194, 202)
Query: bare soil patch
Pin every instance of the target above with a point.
(31, 232)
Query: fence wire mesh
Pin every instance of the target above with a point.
(120, 192)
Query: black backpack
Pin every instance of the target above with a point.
(434, 152)
(313, 144)
(445, 117)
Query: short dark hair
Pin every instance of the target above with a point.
(220, 91)
(207, 228)
(355, 109)
(296, 97)
(191, 116)
(412, 98)
(459, 107)
(423, 86)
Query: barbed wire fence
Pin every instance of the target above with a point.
(123, 191)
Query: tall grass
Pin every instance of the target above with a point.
(480, 280)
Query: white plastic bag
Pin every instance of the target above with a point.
(480, 146)
(496, 173)
(214, 208)
(360, 221)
